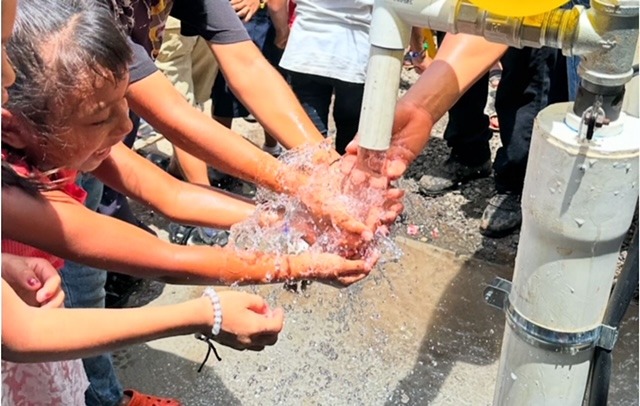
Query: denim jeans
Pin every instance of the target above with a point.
(84, 288)
(314, 93)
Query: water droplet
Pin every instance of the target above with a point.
(579, 221)
(616, 193)
(552, 190)
(514, 376)
(582, 167)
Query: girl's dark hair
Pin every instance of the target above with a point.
(58, 48)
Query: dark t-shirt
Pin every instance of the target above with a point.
(214, 20)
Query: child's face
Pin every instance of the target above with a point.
(8, 18)
(100, 121)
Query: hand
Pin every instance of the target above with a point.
(411, 129)
(329, 267)
(247, 321)
(34, 280)
(245, 9)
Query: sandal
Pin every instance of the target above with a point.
(140, 399)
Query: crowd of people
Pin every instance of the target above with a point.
(79, 75)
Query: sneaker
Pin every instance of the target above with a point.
(451, 175)
(250, 119)
(502, 216)
(274, 151)
(209, 236)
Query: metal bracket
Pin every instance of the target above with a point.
(603, 336)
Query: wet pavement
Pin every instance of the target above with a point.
(415, 333)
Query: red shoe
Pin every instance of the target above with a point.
(140, 399)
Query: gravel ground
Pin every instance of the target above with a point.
(449, 221)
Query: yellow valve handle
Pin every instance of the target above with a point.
(518, 8)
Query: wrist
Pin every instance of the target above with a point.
(216, 308)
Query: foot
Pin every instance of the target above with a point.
(502, 216)
(451, 175)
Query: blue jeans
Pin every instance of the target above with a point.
(84, 288)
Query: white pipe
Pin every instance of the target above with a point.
(379, 99)
(577, 204)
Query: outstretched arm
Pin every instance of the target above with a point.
(31, 334)
(158, 102)
(461, 60)
(61, 226)
(265, 93)
(182, 202)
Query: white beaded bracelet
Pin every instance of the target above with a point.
(217, 310)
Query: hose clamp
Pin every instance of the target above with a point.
(603, 336)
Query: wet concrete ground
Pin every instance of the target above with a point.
(416, 333)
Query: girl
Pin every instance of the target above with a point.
(87, 332)
(67, 110)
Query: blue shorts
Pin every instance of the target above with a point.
(262, 34)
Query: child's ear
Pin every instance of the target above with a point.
(12, 130)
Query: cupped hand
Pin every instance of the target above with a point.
(329, 267)
(245, 9)
(411, 129)
(35, 280)
(247, 321)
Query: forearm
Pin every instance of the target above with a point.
(61, 228)
(182, 202)
(154, 99)
(461, 60)
(26, 331)
(278, 12)
(265, 93)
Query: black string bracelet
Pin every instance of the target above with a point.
(210, 342)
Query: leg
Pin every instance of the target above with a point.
(175, 60)
(346, 112)
(315, 97)
(468, 135)
(528, 84)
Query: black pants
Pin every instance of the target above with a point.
(314, 93)
(531, 80)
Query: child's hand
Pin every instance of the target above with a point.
(247, 321)
(34, 280)
(329, 267)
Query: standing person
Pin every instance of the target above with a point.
(327, 56)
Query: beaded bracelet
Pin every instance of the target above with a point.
(217, 310)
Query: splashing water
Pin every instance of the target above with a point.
(282, 224)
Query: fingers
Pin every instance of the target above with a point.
(395, 169)
(50, 288)
(54, 302)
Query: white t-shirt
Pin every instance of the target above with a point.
(330, 38)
